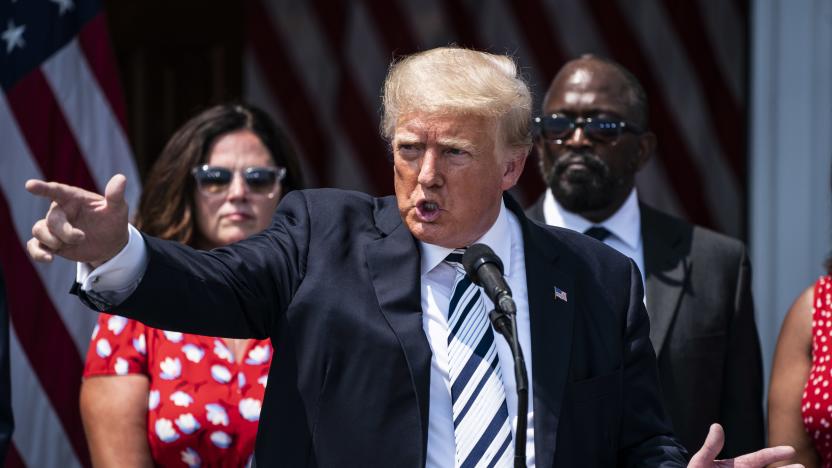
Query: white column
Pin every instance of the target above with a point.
(790, 155)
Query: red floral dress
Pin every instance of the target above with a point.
(817, 395)
(203, 406)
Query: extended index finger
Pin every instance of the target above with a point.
(58, 192)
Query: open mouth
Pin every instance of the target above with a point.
(427, 210)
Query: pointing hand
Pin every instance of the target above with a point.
(81, 226)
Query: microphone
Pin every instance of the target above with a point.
(485, 269)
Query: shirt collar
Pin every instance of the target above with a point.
(498, 237)
(625, 223)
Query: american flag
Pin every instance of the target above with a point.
(61, 118)
(560, 294)
(317, 66)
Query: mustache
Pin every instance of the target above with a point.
(590, 160)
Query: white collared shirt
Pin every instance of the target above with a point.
(624, 224)
(437, 280)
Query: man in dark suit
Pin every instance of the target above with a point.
(592, 140)
(384, 356)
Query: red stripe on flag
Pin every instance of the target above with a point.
(728, 118)
(684, 176)
(95, 43)
(360, 123)
(49, 138)
(287, 89)
(42, 335)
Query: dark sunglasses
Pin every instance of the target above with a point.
(559, 127)
(215, 180)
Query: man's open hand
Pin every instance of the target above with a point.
(81, 226)
(705, 457)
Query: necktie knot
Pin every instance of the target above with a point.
(455, 257)
(598, 232)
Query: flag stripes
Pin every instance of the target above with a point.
(95, 46)
(62, 118)
(689, 55)
(39, 438)
(620, 39)
(351, 105)
(45, 131)
(39, 330)
(103, 146)
(722, 104)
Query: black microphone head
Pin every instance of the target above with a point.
(476, 256)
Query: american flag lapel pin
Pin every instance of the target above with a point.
(560, 294)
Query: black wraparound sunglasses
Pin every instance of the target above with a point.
(559, 127)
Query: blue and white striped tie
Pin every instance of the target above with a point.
(481, 428)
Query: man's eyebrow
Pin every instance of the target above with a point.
(461, 143)
(406, 138)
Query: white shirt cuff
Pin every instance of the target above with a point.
(118, 277)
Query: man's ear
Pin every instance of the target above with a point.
(646, 148)
(514, 164)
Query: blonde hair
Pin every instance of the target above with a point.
(456, 80)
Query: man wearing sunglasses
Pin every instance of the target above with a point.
(592, 139)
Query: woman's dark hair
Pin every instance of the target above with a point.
(166, 207)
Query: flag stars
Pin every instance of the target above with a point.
(64, 5)
(13, 35)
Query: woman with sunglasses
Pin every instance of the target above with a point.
(153, 397)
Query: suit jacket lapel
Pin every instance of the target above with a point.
(667, 267)
(393, 262)
(551, 331)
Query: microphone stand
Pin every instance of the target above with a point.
(504, 320)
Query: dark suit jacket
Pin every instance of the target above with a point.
(335, 283)
(702, 328)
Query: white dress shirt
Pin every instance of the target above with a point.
(624, 226)
(116, 279)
